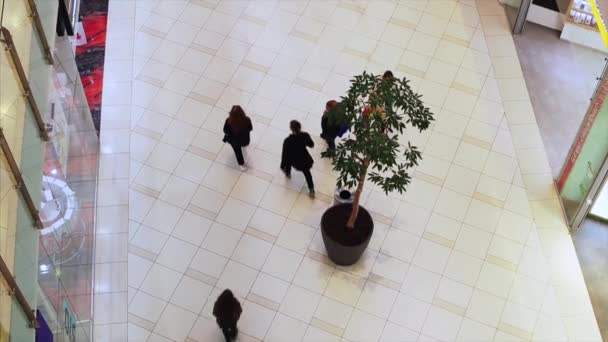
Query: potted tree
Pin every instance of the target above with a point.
(377, 109)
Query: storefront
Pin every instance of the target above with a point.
(586, 169)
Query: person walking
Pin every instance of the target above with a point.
(329, 127)
(295, 154)
(227, 311)
(236, 132)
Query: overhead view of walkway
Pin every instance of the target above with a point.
(476, 249)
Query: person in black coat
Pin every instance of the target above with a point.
(296, 155)
(329, 129)
(227, 311)
(236, 132)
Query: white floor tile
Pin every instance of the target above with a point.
(333, 312)
(282, 263)
(238, 278)
(137, 269)
(175, 323)
(431, 256)
(285, 328)
(300, 303)
(208, 199)
(464, 268)
(454, 292)
(421, 283)
(149, 239)
(442, 324)
(176, 254)
(256, 320)
(270, 287)
(317, 335)
(474, 331)
(377, 299)
(485, 308)
(191, 294)
(236, 214)
(495, 280)
(345, 288)
(178, 192)
(161, 282)
(163, 217)
(399, 244)
(409, 312)
(146, 306)
(206, 329)
(364, 327)
(473, 241)
(295, 236)
(208, 263)
(192, 228)
(251, 251)
(222, 240)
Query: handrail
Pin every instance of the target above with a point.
(10, 46)
(19, 180)
(16, 291)
(40, 29)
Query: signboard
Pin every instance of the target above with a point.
(600, 23)
(583, 133)
(69, 321)
(43, 333)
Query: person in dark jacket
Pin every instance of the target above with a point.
(236, 132)
(296, 155)
(329, 128)
(227, 311)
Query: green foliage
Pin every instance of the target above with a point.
(373, 146)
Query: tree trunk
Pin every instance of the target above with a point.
(350, 224)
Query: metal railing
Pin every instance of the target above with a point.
(16, 291)
(40, 30)
(19, 182)
(7, 39)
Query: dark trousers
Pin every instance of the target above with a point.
(238, 152)
(331, 142)
(307, 176)
(229, 330)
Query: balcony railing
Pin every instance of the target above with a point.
(16, 292)
(40, 30)
(19, 182)
(7, 39)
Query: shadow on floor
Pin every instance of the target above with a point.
(591, 244)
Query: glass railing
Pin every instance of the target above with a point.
(52, 266)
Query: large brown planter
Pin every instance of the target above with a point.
(345, 246)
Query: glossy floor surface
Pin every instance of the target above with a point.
(591, 243)
(561, 78)
(475, 250)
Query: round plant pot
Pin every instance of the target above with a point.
(345, 246)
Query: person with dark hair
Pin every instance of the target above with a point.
(296, 155)
(387, 74)
(329, 128)
(227, 311)
(236, 132)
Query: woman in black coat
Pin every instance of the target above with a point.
(236, 132)
(296, 155)
(227, 311)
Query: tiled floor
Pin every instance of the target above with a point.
(590, 242)
(475, 250)
(561, 77)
